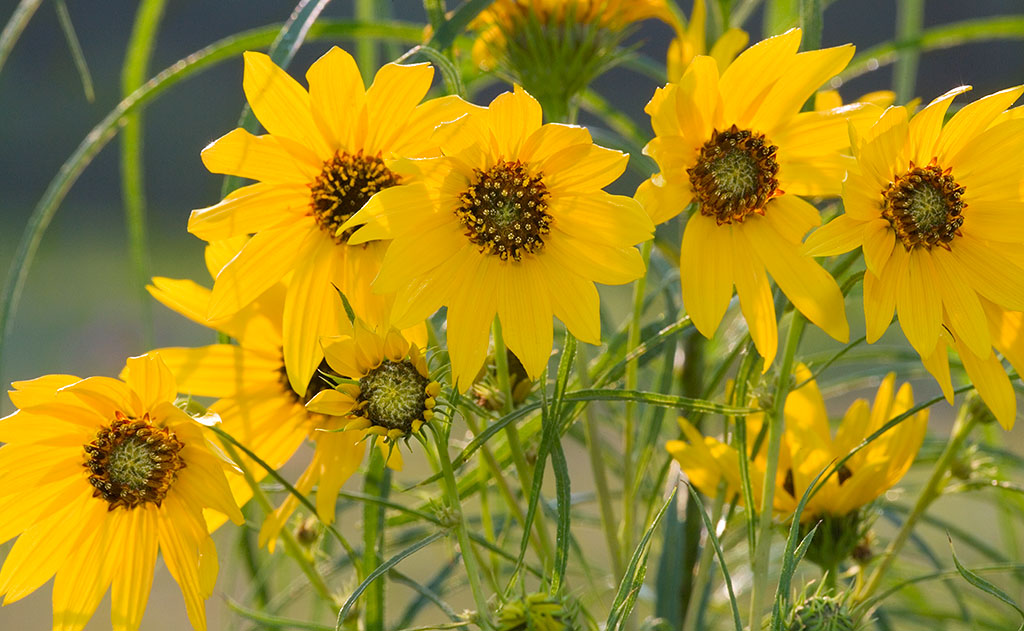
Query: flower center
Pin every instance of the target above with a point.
(735, 175)
(317, 382)
(346, 183)
(505, 211)
(393, 395)
(924, 206)
(132, 462)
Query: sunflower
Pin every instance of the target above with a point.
(739, 149)
(511, 220)
(691, 41)
(96, 476)
(939, 212)
(383, 390)
(322, 159)
(809, 447)
(556, 48)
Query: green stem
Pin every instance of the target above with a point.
(604, 497)
(811, 23)
(375, 484)
(515, 446)
(775, 418)
(704, 567)
(933, 489)
(909, 22)
(366, 47)
(469, 559)
(291, 546)
(629, 431)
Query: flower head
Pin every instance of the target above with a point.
(555, 48)
(96, 476)
(512, 221)
(736, 145)
(809, 447)
(323, 158)
(939, 212)
(381, 388)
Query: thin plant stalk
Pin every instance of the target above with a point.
(375, 484)
(775, 416)
(629, 431)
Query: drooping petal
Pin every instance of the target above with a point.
(706, 272)
(918, 304)
(133, 572)
(755, 296)
(525, 314)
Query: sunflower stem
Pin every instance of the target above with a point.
(515, 446)
(629, 431)
(366, 47)
(762, 553)
(441, 433)
(909, 22)
(933, 489)
(291, 545)
(375, 484)
(604, 497)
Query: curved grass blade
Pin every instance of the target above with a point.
(133, 190)
(720, 554)
(282, 51)
(64, 17)
(633, 579)
(427, 593)
(449, 73)
(267, 621)
(381, 569)
(107, 128)
(445, 34)
(12, 30)
(984, 585)
(937, 38)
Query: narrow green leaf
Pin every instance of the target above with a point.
(710, 528)
(445, 34)
(937, 38)
(632, 580)
(427, 593)
(563, 535)
(267, 621)
(909, 22)
(984, 585)
(449, 72)
(655, 398)
(381, 569)
(780, 16)
(811, 23)
(76, 49)
(133, 190)
(282, 51)
(12, 30)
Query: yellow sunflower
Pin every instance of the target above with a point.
(384, 390)
(809, 447)
(939, 212)
(321, 160)
(96, 476)
(738, 147)
(691, 40)
(510, 221)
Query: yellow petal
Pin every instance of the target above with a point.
(219, 370)
(593, 261)
(808, 286)
(961, 305)
(842, 234)
(264, 260)
(549, 139)
(342, 454)
(525, 314)
(280, 103)
(250, 209)
(390, 101)
(514, 117)
(706, 272)
(937, 363)
(755, 297)
(417, 138)
(879, 241)
(470, 313)
(747, 80)
(331, 402)
(263, 158)
(971, 120)
(150, 378)
(40, 390)
(87, 571)
(989, 378)
(574, 300)
(791, 217)
(991, 275)
(181, 554)
(663, 202)
(807, 72)
(613, 220)
(880, 297)
(335, 91)
(582, 169)
(917, 302)
(133, 574)
(927, 124)
(106, 396)
(698, 102)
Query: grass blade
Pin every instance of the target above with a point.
(984, 585)
(133, 191)
(12, 30)
(76, 49)
(713, 537)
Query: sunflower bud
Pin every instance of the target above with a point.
(538, 612)
(821, 613)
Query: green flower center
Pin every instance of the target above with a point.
(346, 182)
(132, 462)
(505, 211)
(924, 206)
(735, 175)
(394, 394)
